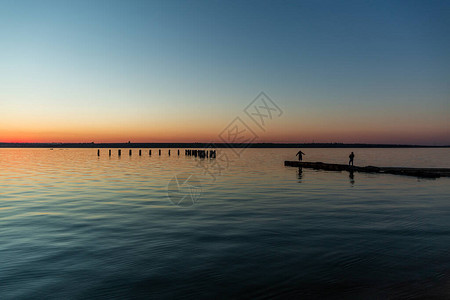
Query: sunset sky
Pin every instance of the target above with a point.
(181, 71)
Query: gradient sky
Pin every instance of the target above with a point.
(181, 71)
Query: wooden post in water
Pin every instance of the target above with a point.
(130, 152)
(119, 152)
(140, 153)
(98, 152)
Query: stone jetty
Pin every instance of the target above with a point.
(417, 172)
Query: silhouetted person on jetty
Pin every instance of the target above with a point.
(300, 155)
(351, 157)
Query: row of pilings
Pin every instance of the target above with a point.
(200, 153)
(195, 153)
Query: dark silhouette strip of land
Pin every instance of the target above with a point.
(417, 172)
(209, 145)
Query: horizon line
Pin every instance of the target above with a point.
(208, 144)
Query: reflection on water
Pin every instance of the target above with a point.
(300, 174)
(75, 225)
(351, 175)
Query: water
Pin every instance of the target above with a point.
(74, 225)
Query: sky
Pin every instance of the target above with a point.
(182, 71)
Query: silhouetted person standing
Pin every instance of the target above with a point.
(351, 157)
(300, 155)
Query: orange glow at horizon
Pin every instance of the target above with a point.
(168, 135)
(151, 126)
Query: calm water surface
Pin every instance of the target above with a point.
(74, 225)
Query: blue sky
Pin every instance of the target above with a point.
(343, 71)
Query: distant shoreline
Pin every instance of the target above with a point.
(209, 145)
